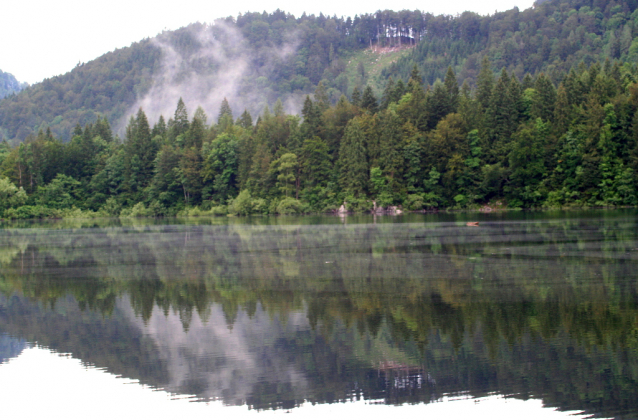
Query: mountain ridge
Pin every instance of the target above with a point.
(257, 58)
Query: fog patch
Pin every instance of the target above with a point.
(203, 64)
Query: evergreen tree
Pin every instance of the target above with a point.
(388, 94)
(485, 83)
(545, 102)
(322, 102)
(369, 101)
(224, 109)
(353, 168)
(180, 120)
(245, 120)
(452, 89)
(391, 146)
(399, 91)
(415, 78)
(159, 129)
(356, 96)
(562, 112)
(140, 153)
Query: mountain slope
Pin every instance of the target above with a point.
(257, 58)
(252, 60)
(552, 37)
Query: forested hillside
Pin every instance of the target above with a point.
(522, 143)
(552, 37)
(256, 58)
(568, 137)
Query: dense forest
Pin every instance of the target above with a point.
(256, 58)
(523, 143)
(552, 128)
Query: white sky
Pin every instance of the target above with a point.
(43, 384)
(44, 38)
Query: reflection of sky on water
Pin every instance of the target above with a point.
(275, 316)
(65, 388)
(213, 361)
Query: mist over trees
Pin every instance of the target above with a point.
(9, 84)
(528, 109)
(256, 58)
(525, 143)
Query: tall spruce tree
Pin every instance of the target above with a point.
(353, 167)
(369, 101)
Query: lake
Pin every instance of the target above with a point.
(527, 314)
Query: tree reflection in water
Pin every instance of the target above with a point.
(272, 315)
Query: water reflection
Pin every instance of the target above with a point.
(275, 315)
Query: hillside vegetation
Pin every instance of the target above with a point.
(257, 58)
(564, 138)
(254, 59)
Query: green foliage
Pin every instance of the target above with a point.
(10, 195)
(62, 193)
(138, 210)
(242, 205)
(289, 205)
(32, 212)
(529, 145)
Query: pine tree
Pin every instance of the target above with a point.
(388, 94)
(224, 109)
(322, 102)
(356, 96)
(391, 145)
(140, 153)
(399, 91)
(415, 78)
(452, 88)
(245, 120)
(545, 102)
(180, 120)
(315, 162)
(438, 104)
(159, 129)
(353, 168)
(369, 101)
(562, 112)
(485, 83)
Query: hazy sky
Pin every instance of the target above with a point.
(44, 38)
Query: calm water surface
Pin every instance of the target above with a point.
(273, 314)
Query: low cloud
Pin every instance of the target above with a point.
(203, 64)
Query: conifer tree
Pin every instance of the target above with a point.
(224, 109)
(159, 129)
(452, 88)
(399, 90)
(356, 96)
(180, 120)
(562, 111)
(245, 120)
(545, 102)
(415, 78)
(369, 101)
(391, 144)
(140, 153)
(388, 94)
(485, 83)
(353, 168)
(322, 102)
